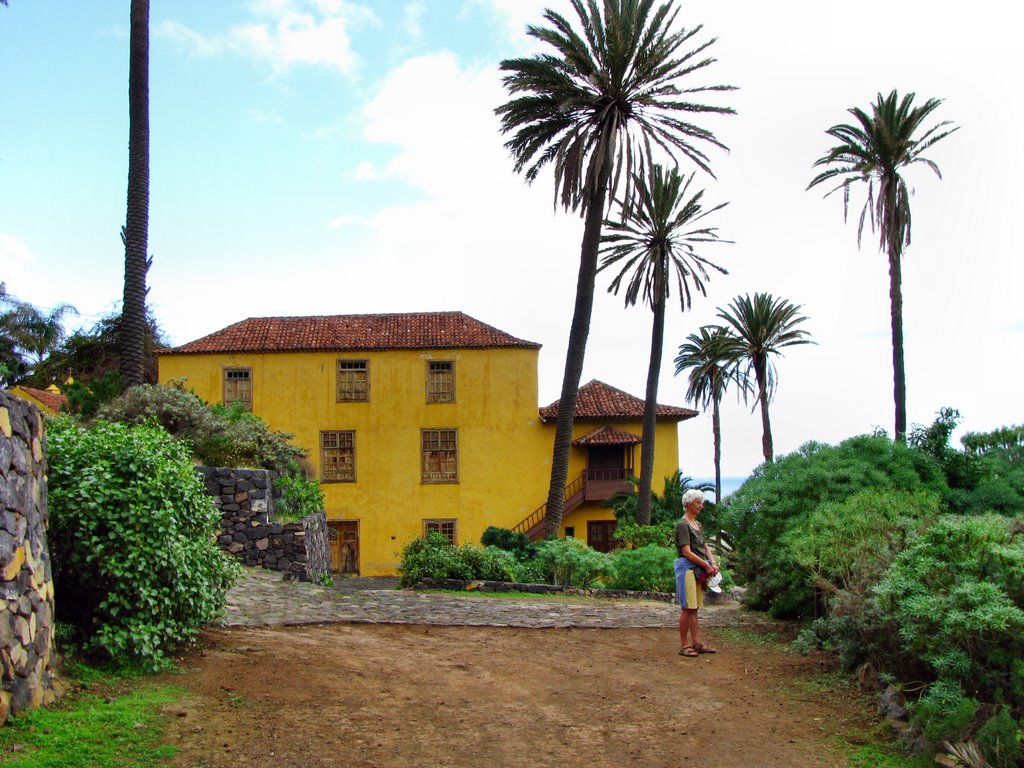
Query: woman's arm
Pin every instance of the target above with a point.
(696, 559)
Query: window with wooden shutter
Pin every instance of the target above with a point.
(440, 381)
(338, 457)
(238, 386)
(353, 381)
(440, 455)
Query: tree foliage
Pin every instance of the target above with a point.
(760, 327)
(596, 106)
(218, 435)
(653, 246)
(872, 153)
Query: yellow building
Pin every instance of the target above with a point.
(422, 421)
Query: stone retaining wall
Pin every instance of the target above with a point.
(245, 498)
(710, 598)
(27, 652)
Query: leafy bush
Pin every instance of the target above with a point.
(944, 712)
(570, 563)
(299, 497)
(131, 537)
(432, 557)
(957, 596)
(633, 536)
(646, 569)
(220, 436)
(844, 547)
(779, 495)
(1000, 739)
(503, 538)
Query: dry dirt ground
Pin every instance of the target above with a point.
(399, 695)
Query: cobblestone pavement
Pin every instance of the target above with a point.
(263, 598)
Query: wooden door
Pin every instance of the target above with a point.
(599, 535)
(344, 537)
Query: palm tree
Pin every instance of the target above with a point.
(595, 110)
(28, 334)
(761, 327)
(657, 239)
(872, 152)
(709, 355)
(135, 233)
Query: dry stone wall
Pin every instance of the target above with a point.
(245, 498)
(27, 654)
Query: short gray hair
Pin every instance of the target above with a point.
(691, 494)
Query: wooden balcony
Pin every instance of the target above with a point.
(591, 485)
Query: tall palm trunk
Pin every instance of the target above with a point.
(136, 230)
(643, 502)
(761, 374)
(899, 375)
(576, 352)
(716, 431)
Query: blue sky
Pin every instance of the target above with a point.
(327, 157)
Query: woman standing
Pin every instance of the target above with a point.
(694, 565)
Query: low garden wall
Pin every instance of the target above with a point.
(245, 498)
(27, 656)
(712, 598)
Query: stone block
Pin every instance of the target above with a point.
(9, 570)
(262, 544)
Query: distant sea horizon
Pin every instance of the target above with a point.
(729, 484)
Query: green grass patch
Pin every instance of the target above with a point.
(116, 730)
(873, 756)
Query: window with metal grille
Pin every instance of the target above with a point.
(440, 381)
(447, 528)
(440, 455)
(338, 457)
(238, 386)
(353, 381)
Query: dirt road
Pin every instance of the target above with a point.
(364, 695)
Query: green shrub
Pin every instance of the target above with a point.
(957, 597)
(570, 563)
(633, 536)
(1000, 739)
(429, 557)
(299, 497)
(220, 436)
(944, 712)
(432, 557)
(846, 546)
(489, 563)
(503, 538)
(132, 540)
(646, 569)
(780, 494)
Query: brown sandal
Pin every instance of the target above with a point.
(701, 648)
(688, 650)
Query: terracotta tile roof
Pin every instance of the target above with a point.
(414, 330)
(608, 436)
(50, 401)
(597, 400)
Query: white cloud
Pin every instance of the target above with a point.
(413, 15)
(365, 171)
(282, 33)
(342, 221)
(265, 116)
